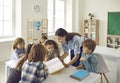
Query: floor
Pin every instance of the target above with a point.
(111, 75)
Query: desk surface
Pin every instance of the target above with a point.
(108, 52)
(64, 76)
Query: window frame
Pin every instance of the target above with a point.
(54, 5)
(13, 22)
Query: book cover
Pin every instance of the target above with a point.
(54, 65)
(80, 74)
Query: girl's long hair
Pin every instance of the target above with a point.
(17, 41)
(37, 53)
(62, 32)
(24, 58)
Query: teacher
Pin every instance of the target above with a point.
(72, 42)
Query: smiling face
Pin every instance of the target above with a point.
(61, 39)
(50, 48)
(86, 50)
(21, 45)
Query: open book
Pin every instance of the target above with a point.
(80, 74)
(54, 65)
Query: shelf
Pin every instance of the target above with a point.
(91, 29)
(33, 34)
(113, 41)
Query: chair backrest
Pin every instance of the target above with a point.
(102, 67)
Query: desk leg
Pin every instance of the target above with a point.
(118, 71)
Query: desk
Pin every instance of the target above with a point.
(112, 55)
(64, 76)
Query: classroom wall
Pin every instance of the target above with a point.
(5, 50)
(100, 8)
(27, 13)
(77, 15)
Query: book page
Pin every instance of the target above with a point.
(54, 65)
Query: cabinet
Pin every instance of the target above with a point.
(113, 41)
(33, 32)
(91, 29)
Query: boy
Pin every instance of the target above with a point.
(88, 60)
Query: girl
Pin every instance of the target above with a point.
(43, 39)
(15, 74)
(72, 41)
(89, 60)
(53, 50)
(33, 70)
(19, 48)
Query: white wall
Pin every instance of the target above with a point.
(100, 8)
(77, 15)
(5, 50)
(27, 13)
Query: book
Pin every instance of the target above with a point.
(80, 74)
(54, 65)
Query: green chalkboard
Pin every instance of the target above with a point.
(114, 23)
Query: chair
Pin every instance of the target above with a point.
(102, 67)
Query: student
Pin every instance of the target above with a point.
(43, 39)
(70, 41)
(33, 70)
(53, 50)
(89, 60)
(19, 48)
(15, 74)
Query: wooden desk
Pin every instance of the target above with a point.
(64, 76)
(112, 55)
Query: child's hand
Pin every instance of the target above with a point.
(82, 59)
(66, 65)
(21, 55)
(79, 67)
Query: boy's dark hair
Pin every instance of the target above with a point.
(62, 32)
(50, 42)
(17, 41)
(37, 53)
(90, 44)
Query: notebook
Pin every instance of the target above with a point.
(54, 65)
(80, 74)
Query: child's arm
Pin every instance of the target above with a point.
(93, 63)
(80, 66)
(82, 59)
(21, 55)
(46, 57)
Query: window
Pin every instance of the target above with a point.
(56, 15)
(6, 18)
